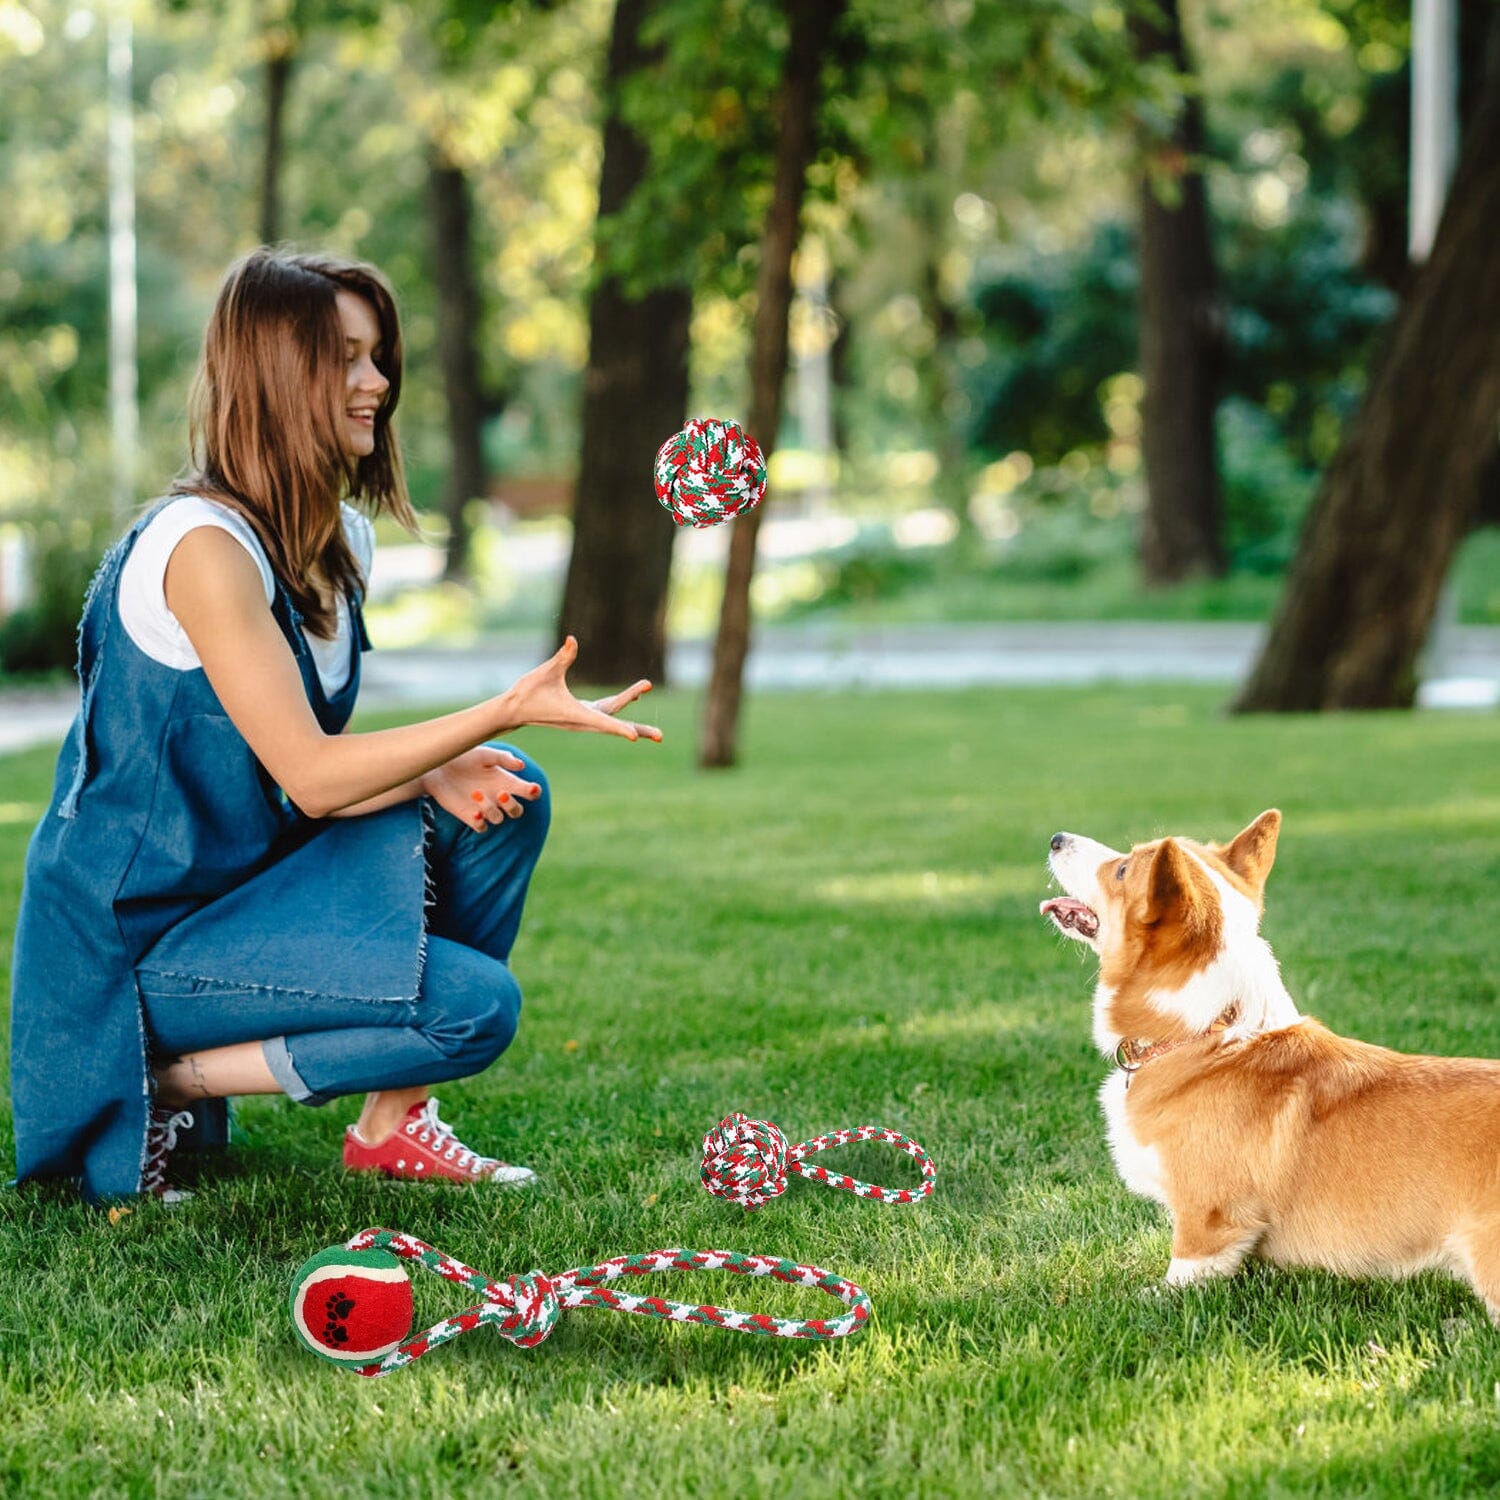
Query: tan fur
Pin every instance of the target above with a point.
(1172, 927)
(1293, 1144)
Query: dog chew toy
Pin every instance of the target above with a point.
(709, 472)
(352, 1303)
(747, 1161)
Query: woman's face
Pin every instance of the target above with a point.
(364, 386)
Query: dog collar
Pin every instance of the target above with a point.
(1132, 1053)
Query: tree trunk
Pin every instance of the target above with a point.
(951, 487)
(1181, 333)
(1403, 489)
(458, 309)
(1479, 57)
(635, 396)
(279, 61)
(812, 24)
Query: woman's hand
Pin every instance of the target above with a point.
(479, 787)
(543, 697)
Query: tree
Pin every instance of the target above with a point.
(458, 305)
(280, 41)
(811, 26)
(1403, 489)
(634, 397)
(444, 94)
(1181, 325)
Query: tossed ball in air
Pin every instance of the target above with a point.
(709, 472)
(352, 1306)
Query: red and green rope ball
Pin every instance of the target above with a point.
(352, 1303)
(709, 472)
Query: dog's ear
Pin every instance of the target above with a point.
(1252, 852)
(1179, 887)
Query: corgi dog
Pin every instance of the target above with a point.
(1261, 1131)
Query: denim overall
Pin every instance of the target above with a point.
(165, 840)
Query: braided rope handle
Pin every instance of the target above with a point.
(747, 1161)
(525, 1309)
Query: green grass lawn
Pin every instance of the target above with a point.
(843, 931)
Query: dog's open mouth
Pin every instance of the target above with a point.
(1072, 916)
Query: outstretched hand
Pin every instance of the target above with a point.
(543, 697)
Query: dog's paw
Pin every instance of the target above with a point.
(1186, 1272)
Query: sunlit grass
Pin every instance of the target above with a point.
(841, 931)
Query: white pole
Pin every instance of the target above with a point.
(124, 413)
(813, 372)
(1434, 153)
(1434, 118)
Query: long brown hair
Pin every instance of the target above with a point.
(267, 420)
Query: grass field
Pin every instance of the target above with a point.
(843, 931)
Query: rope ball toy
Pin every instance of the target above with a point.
(352, 1303)
(709, 472)
(747, 1161)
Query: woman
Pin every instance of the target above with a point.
(228, 894)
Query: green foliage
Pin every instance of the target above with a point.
(872, 569)
(1476, 578)
(1301, 328)
(706, 106)
(1303, 313)
(39, 637)
(1265, 490)
(1054, 331)
(64, 545)
(371, 88)
(822, 941)
(969, 205)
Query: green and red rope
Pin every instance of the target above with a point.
(747, 1162)
(350, 1306)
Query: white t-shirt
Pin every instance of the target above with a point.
(143, 601)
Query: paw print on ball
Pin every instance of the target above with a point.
(352, 1306)
(336, 1329)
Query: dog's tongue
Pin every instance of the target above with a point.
(1071, 915)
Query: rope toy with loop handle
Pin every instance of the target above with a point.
(352, 1303)
(747, 1161)
(710, 471)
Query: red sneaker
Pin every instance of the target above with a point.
(423, 1147)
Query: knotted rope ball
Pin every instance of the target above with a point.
(747, 1161)
(352, 1304)
(709, 472)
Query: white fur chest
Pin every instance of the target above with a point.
(1139, 1165)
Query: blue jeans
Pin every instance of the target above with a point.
(320, 1046)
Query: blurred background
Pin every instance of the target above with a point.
(1181, 313)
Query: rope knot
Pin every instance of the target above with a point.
(533, 1312)
(744, 1160)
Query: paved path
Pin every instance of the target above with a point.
(1465, 664)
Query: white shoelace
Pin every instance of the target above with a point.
(161, 1142)
(430, 1130)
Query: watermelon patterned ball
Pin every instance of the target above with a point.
(352, 1306)
(709, 471)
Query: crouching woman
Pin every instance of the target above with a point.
(229, 894)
